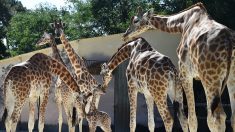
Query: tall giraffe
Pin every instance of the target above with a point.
(85, 79)
(62, 93)
(98, 118)
(29, 80)
(151, 73)
(204, 53)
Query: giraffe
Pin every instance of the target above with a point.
(152, 74)
(86, 80)
(98, 118)
(29, 80)
(62, 93)
(204, 53)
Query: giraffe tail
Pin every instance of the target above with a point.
(4, 116)
(74, 115)
(229, 61)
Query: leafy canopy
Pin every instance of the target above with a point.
(89, 18)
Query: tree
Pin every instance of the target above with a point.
(7, 10)
(113, 16)
(222, 11)
(103, 17)
(25, 29)
(91, 18)
(83, 19)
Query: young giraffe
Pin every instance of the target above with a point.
(151, 73)
(98, 118)
(29, 80)
(204, 53)
(63, 93)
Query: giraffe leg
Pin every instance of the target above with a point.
(231, 91)
(8, 121)
(216, 120)
(132, 93)
(59, 106)
(180, 111)
(16, 114)
(60, 118)
(31, 121)
(80, 124)
(42, 109)
(80, 114)
(150, 106)
(187, 84)
(92, 127)
(161, 101)
(68, 112)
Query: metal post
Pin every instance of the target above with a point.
(121, 100)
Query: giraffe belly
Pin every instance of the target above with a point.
(141, 86)
(36, 90)
(188, 66)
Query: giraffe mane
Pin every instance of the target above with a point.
(200, 4)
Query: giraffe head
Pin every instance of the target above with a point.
(139, 24)
(58, 27)
(45, 39)
(107, 76)
(92, 97)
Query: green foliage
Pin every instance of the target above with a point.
(89, 18)
(222, 11)
(7, 9)
(26, 28)
(83, 20)
(113, 16)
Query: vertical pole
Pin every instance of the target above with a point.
(121, 100)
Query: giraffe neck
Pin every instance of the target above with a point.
(179, 22)
(75, 59)
(126, 51)
(53, 66)
(94, 102)
(123, 53)
(55, 52)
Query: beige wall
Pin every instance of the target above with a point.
(101, 48)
